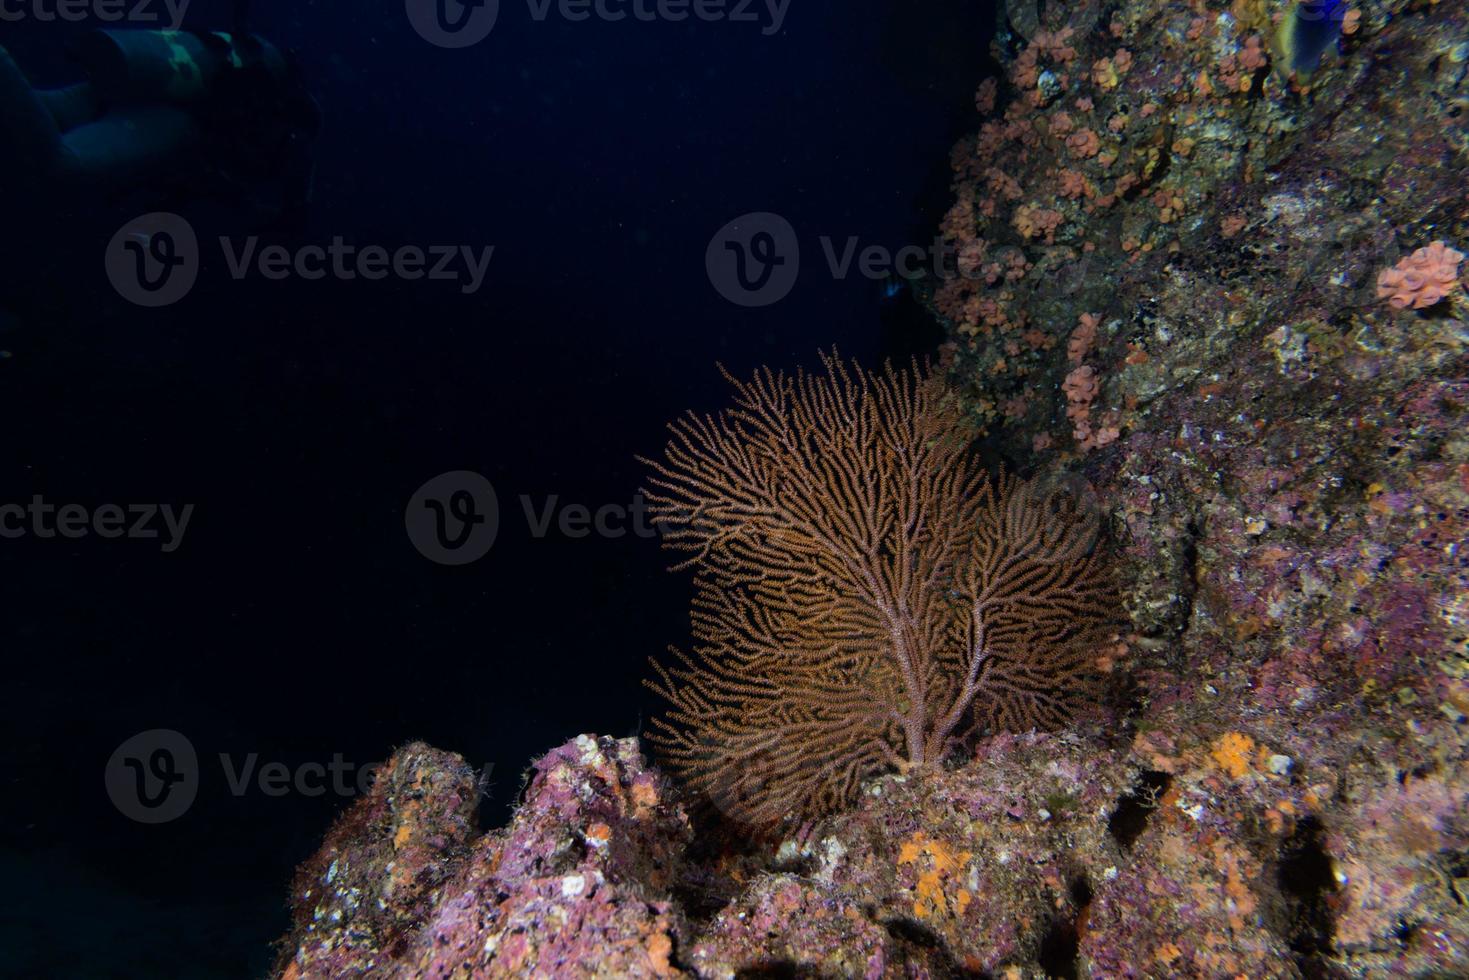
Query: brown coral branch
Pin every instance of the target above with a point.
(862, 589)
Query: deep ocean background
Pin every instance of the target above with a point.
(297, 621)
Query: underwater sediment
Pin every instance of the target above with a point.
(1192, 279)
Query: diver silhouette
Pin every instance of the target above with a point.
(218, 115)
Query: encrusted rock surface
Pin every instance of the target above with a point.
(1042, 855)
(382, 868)
(1283, 459)
(578, 884)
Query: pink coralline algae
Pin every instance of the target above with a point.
(1422, 279)
(577, 886)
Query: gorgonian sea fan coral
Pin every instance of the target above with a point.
(866, 595)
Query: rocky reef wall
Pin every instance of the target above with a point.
(1171, 249)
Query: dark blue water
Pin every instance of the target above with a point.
(296, 621)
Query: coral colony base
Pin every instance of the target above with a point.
(867, 595)
(1229, 300)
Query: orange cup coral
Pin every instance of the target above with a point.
(1422, 279)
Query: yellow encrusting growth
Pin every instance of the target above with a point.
(1232, 752)
(937, 864)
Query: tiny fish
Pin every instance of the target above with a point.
(892, 287)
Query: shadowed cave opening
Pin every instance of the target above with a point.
(1130, 817)
(1061, 944)
(1307, 879)
(919, 947)
(776, 970)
